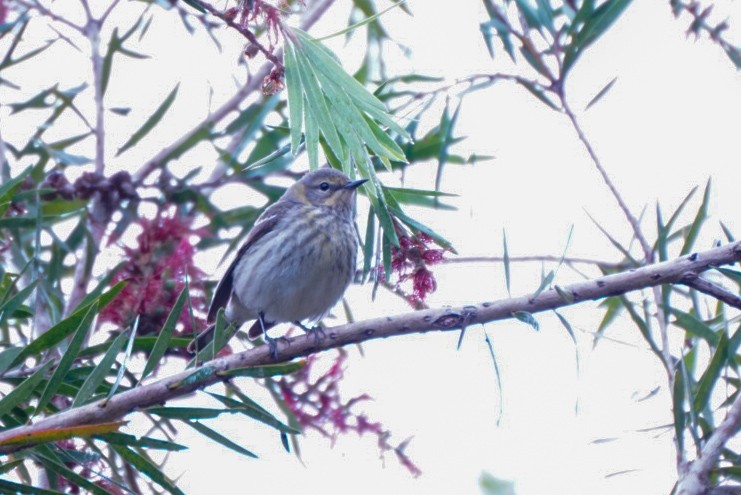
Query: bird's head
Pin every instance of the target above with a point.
(325, 187)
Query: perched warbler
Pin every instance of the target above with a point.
(297, 260)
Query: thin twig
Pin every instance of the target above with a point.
(645, 246)
(244, 31)
(252, 85)
(440, 319)
(648, 253)
(92, 243)
(36, 5)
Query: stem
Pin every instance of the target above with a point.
(91, 247)
(441, 319)
(645, 246)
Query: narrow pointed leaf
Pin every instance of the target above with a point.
(700, 217)
(264, 371)
(695, 326)
(64, 328)
(601, 93)
(98, 375)
(295, 97)
(11, 487)
(68, 358)
(218, 437)
(250, 408)
(146, 467)
(141, 442)
(8, 308)
(24, 390)
(528, 318)
(165, 335)
(151, 122)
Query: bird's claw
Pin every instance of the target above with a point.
(273, 345)
(317, 331)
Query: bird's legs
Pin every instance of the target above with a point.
(317, 331)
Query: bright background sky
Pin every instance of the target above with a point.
(670, 121)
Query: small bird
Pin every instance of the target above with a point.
(297, 261)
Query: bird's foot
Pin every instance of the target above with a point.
(273, 345)
(317, 331)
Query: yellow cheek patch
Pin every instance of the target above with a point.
(300, 195)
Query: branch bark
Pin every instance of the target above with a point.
(695, 478)
(442, 319)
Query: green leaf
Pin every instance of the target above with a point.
(614, 307)
(68, 358)
(252, 409)
(151, 122)
(538, 91)
(368, 248)
(595, 24)
(23, 391)
(62, 470)
(528, 318)
(734, 275)
(295, 97)
(186, 413)
(141, 442)
(678, 395)
(10, 487)
(9, 187)
(707, 382)
(505, 261)
(218, 437)
(700, 217)
(127, 355)
(361, 23)
(163, 340)
(9, 307)
(9, 466)
(694, 326)
(64, 328)
(98, 375)
(264, 371)
(641, 324)
(601, 93)
(146, 467)
(8, 357)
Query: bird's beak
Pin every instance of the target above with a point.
(355, 184)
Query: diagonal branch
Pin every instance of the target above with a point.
(449, 318)
(695, 478)
(712, 289)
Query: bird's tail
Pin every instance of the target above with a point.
(257, 328)
(205, 337)
(202, 339)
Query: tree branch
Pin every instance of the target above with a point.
(713, 290)
(695, 478)
(159, 392)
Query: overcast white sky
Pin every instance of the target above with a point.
(670, 122)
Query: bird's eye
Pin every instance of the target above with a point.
(324, 186)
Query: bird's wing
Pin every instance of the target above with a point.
(264, 224)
